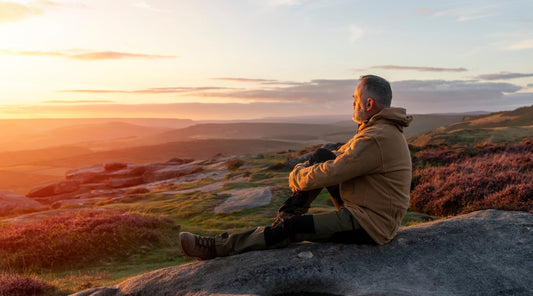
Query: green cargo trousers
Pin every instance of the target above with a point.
(335, 226)
(291, 226)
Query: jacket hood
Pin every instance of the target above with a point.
(392, 115)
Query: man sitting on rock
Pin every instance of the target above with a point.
(368, 179)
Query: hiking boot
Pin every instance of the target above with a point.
(195, 246)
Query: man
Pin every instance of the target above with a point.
(368, 179)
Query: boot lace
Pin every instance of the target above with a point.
(207, 243)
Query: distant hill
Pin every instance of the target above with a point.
(499, 127)
(26, 134)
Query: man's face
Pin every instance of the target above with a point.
(360, 113)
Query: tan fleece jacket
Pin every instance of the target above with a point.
(374, 173)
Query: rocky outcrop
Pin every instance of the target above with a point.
(112, 180)
(10, 201)
(482, 253)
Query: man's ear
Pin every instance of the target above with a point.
(370, 103)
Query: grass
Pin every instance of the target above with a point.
(81, 238)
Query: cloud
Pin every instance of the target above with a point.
(155, 90)
(356, 32)
(284, 2)
(323, 96)
(420, 69)
(261, 81)
(142, 4)
(524, 44)
(503, 76)
(77, 102)
(315, 91)
(237, 79)
(13, 12)
(86, 54)
(455, 96)
(462, 14)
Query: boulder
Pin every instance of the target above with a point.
(115, 166)
(170, 172)
(54, 189)
(101, 173)
(176, 160)
(10, 202)
(125, 182)
(87, 174)
(481, 253)
(245, 198)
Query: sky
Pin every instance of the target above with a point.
(235, 59)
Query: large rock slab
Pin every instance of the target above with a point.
(483, 253)
(245, 198)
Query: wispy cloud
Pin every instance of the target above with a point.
(457, 95)
(284, 2)
(524, 44)
(77, 102)
(314, 91)
(420, 69)
(503, 76)
(87, 55)
(13, 12)
(142, 4)
(356, 32)
(155, 90)
(462, 14)
(256, 80)
(237, 79)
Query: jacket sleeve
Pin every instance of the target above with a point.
(362, 157)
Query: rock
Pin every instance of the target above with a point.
(115, 166)
(125, 182)
(87, 174)
(99, 174)
(176, 160)
(73, 203)
(245, 198)
(10, 202)
(257, 156)
(54, 189)
(481, 253)
(170, 172)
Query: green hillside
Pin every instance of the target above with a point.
(508, 126)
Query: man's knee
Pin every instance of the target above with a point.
(287, 229)
(321, 155)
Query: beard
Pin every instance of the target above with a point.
(356, 117)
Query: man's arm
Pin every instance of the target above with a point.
(362, 157)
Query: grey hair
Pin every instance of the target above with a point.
(378, 88)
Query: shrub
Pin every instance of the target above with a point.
(234, 164)
(16, 285)
(454, 181)
(80, 238)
